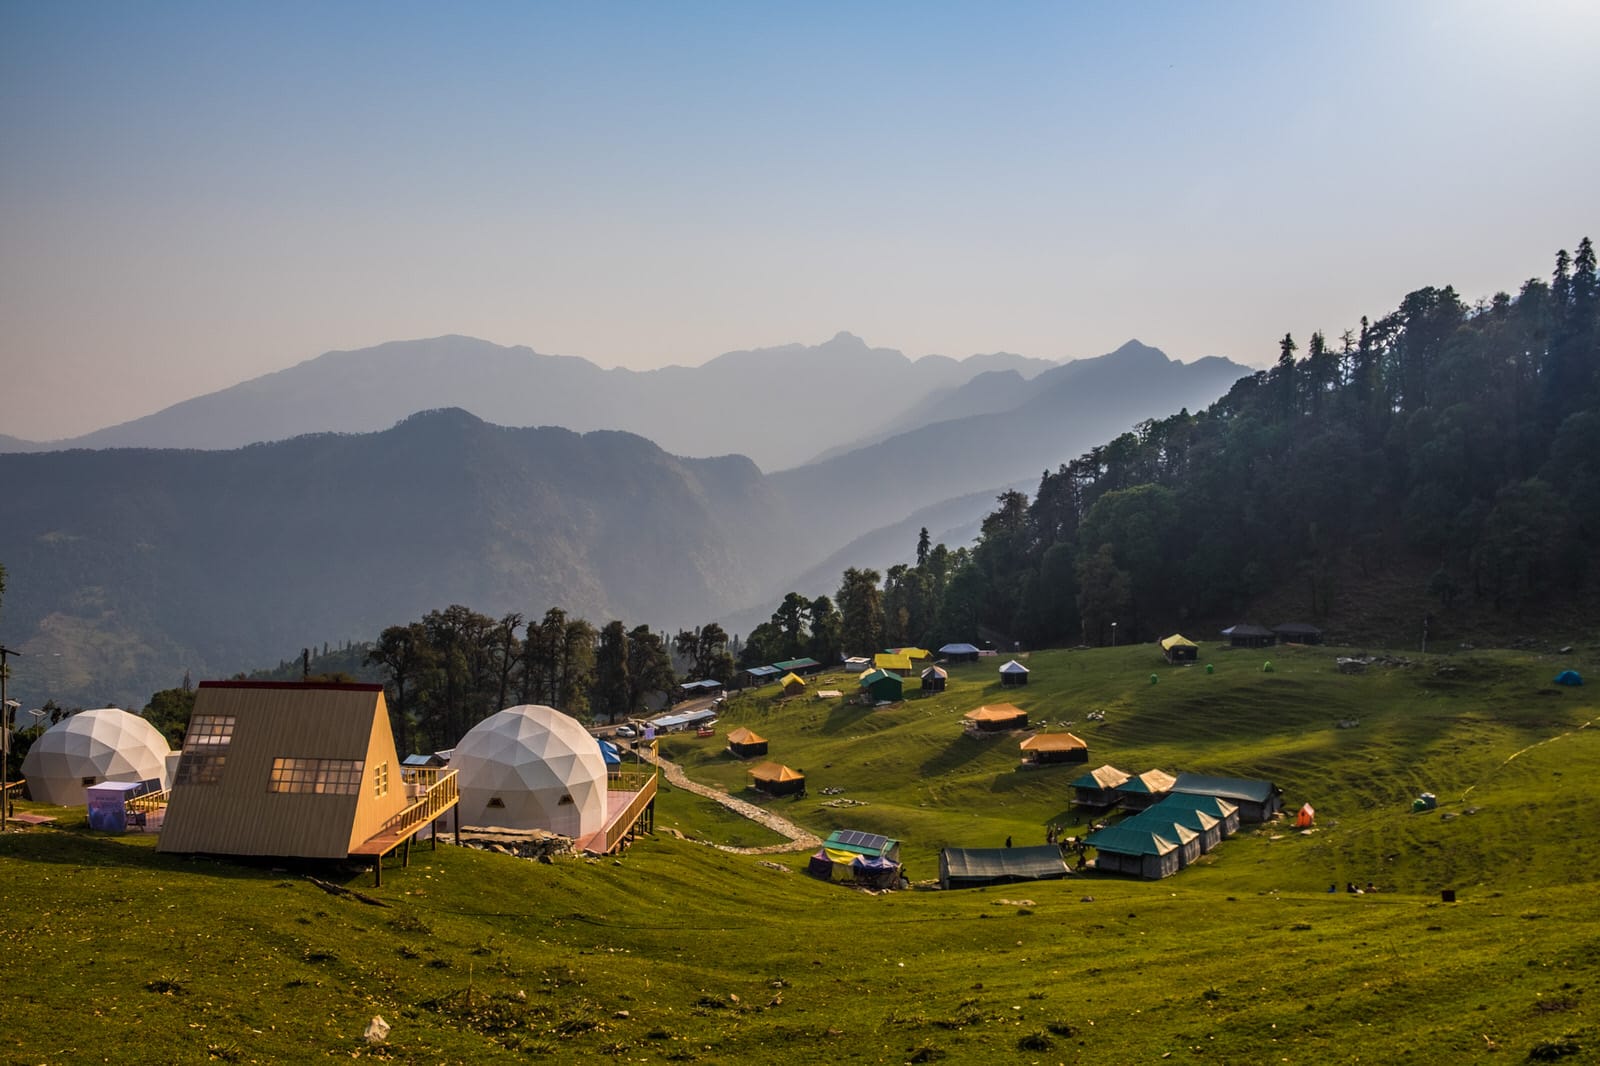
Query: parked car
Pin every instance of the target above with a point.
(626, 731)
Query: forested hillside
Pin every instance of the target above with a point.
(1439, 465)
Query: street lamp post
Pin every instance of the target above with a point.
(6, 707)
(1113, 634)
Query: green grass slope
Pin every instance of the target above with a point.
(680, 952)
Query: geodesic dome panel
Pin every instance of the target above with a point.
(92, 747)
(531, 767)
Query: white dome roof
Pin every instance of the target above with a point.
(107, 745)
(531, 767)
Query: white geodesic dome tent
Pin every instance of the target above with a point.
(92, 747)
(531, 767)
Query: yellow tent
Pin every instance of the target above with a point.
(900, 664)
(792, 683)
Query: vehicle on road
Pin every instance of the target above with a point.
(626, 731)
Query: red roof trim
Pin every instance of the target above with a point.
(296, 685)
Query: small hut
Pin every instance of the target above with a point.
(756, 676)
(995, 718)
(881, 685)
(1180, 649)
(934, 679)
(775, 779)
(857, 842)
(1140, 852)
(1306, 818)
(1044, 748)
(959, 653)
(1013, 673)
(1245, 635)
(1144, 790)
(744, 743)
(1096, 790)
(857, 664)
(793, 684)
(894, 661)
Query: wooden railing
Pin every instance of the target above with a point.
(620, 828)
(14, 788)
(629, 780)
(148, 803)
(443, 793)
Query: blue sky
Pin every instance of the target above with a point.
(195, 194)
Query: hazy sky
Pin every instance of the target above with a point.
(195, 194)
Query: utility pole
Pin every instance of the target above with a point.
(7, 706)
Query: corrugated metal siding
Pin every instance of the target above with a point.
(238, 816)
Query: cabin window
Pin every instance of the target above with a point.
(323, 777)
(496, 803)
(565, 801)
(88, 781)
(208, 732)
(198, 768)
(380, 780)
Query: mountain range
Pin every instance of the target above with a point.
(130, 565)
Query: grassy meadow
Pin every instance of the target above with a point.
(677, 952)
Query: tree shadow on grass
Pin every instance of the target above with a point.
(82, 847)
(842, 715)
(961, 750)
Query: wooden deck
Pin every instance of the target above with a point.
(630, 806)
(441, 793)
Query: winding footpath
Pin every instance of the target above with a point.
(799, 839)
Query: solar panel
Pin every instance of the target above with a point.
(861, 840)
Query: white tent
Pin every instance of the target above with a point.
(90, 747)
(531, 767)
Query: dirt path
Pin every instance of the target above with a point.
(799, 839)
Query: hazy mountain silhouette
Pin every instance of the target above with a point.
(779, 406)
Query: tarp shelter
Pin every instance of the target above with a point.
(1180, 649)
(959, 653)
(775, 779)
(286, 769)
(804, 667)
(994, 718)
(532, 767)
(972, 867)
(1297, 633)
(882, 685)
(934, 679)
(89, 747)
(1097, 789)
(1144, 790)
(1054, 748)
(887, 660)
(677, 723)
(611, 754)
(1257, 800)
(829, 864)
(708, 687)
(914, 653)
(793, 684)
(1306, 818)
(862, 843)
(1013, 673)
(1169, 827)
(1246, 635)
(744, 742)
(875, 872)
(1140, 852)
(1569, 677)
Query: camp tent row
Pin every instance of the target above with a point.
(1165, 838)
(1106, 787)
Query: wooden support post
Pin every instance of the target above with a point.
(377, 871)
(405, 856)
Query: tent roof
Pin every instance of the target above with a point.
(1296, 629)
(993, 864)
(673, 721)
(763, 671)
(888, 661)
(934, 671)
(959, 649)
(1013, 667)
(872, 677)
(1231, 788)
(912, 653)
(1245, 629)
(792, 677)
(1177, 640)
(1184, 814)
(1213, 805)
(1166, 824)
(796, 664)
(999, 712)
(1130, 841)
(1152, 782)
(1053, 742)
(745, 735)
(708, 683)
(772, 771)
(1106, 776)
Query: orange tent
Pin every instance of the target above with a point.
(1306, 817)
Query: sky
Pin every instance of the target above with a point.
(195, 194)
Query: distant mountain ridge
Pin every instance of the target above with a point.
(725, 406)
